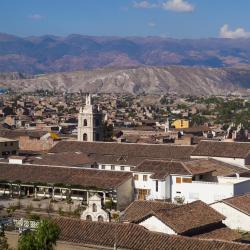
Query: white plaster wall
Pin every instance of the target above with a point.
(205, 191)
(117, 167)
(15, 161)
(163, 186)
(234, 218)
(155, 225)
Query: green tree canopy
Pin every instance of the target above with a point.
(43, 238)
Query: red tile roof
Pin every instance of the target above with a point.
(139, 209)
(131, 150)
(222, 149)
(189, 216)
(132, 236)
(161, 169)
(241, 202)
(86, 178)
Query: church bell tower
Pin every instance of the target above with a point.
(90, 122)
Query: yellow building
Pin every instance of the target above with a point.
(180, 123)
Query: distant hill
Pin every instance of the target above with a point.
(47, 54)
(137, 80)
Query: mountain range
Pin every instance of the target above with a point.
(48, 54)
(138, 80)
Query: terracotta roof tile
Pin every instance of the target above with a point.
(222, 149)
(189, 216)
(131, 150)
(66, 175)
(161, 169)
(139, 209)
(132, 236)
(241, 202)
(218, 168)
(223, 233)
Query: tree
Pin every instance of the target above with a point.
(3, 242)
(43, 238)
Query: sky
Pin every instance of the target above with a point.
(166, 18)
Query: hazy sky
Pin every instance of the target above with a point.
(171, 18)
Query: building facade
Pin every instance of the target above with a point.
(90, 122)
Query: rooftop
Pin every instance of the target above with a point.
(132, 236)
(222, 149)
(139, 209)
(130, 150)
(86, 178)
(241, 202)
(185, 218)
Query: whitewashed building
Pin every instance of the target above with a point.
(236, 211)
(189, 181)
(94, 210)
(195, 219)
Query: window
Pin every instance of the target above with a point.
(88, 218)
(187, 180)
(103, 166)
(94, 208)
(132, 168)
(97, 137)
(112, 167)
(5, 144)
(145, 177)
(201, 177)
(122, 168)
(178, 179)
(11, 144)
(136, 177)
(156, 185)
(85, 137)
(100, 218)
(97, 122)
(85, 123)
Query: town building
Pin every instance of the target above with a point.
(90, 127)
(180, 124)
(8, 147)
(95, 211)
(187, 181)
(236, 211)
(235, 153)
(60, 182)
(96, 235)
(195, 219)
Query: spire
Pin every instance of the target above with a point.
(88, 99)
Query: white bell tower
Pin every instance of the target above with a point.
(90, 122)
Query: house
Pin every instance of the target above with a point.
(8, 147)
(129, 236)
(95, 211)
(180, 123)
(31, 139)
(123, 156)
(192, 220)
(78, 234)
(139, 208)
(187, 181)
(61, 182)
(235, 153)
(236, 211)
